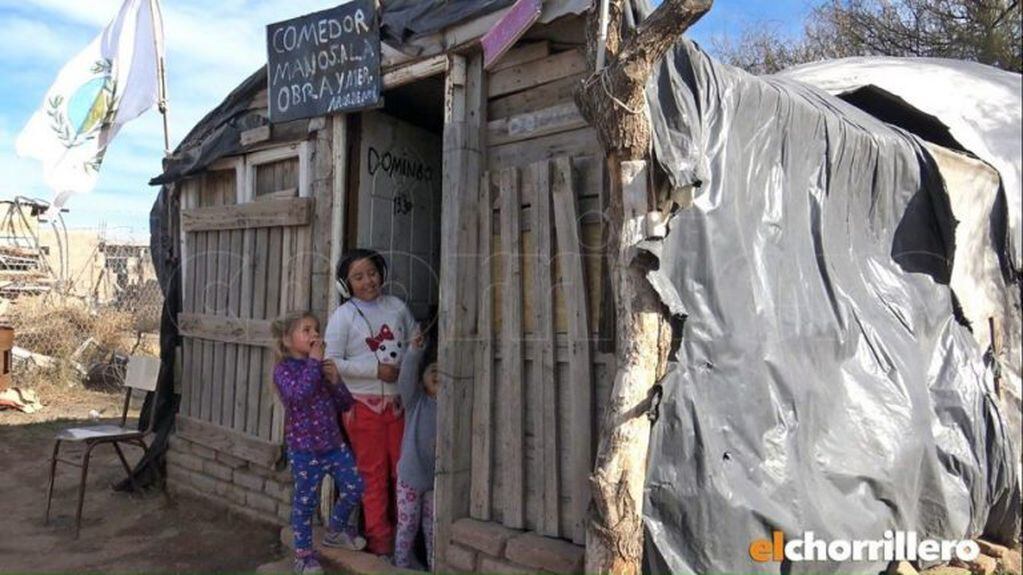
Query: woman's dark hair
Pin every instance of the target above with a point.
(349, 259)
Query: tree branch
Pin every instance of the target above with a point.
(612, 100)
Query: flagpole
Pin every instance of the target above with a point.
(154, 8)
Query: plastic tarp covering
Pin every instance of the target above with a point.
(985, 119)
(822, 382)
(403, 20)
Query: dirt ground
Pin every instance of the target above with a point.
(120, 532)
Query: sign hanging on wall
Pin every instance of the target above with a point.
(324, 62)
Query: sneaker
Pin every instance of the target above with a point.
(307, 565)
(344, 540)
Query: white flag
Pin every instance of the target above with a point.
(112, 81)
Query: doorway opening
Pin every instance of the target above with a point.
(395, 188)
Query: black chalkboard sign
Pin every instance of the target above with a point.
(327, 61)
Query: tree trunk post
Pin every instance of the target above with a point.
(612, 100)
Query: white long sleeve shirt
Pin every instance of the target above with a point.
(362, 334)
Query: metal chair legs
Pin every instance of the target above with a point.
(85, 474)
(81, 488)
(49, 487)
(127, 469)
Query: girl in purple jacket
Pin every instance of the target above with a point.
(313, 437)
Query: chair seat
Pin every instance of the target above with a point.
(97, 432)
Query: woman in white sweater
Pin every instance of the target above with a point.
(366, 338)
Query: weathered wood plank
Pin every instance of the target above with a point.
(209, 307)
(575, 143)
(511, 365)
(219, 348)
(410, 73)
(259, 452)
(280, 195)
(255, 135)
(449, 408)
(482, 419)
(241, 397)
(464, 120)
(256, 376)
(233, 310)
(530, 74)
(320, 240)
(538, 98)
(580, 376)
(544, 375)
(285, 305)
(198, 348)
(268, 403)
(188, 263)
(261, 214)
(522, 54)
(558, 118)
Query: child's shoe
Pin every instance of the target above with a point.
(307, 565)
(344, 540)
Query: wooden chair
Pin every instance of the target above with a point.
(142, 373)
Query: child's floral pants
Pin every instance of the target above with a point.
(413, 505)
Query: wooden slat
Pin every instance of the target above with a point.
(464, 121)
(209, 307)
(538, 98)
(522, 54)
(262, 453)
(257, 389)
(482, 420)
(582, 142)
(512, 417)
(580, 378)
(301, 269)
(285, 305)
(544, 375)
(268, 401)
(255, 135)
(242, 391)
(219, 348)
(530, 74)
(558, 118)
(221, 329)
(411, 72)
(234, 293)
(262, 214)
(197, 346)
(279, 195)
(188, 259)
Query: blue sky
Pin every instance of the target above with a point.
(211, 46)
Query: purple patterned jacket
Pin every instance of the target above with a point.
(311, 406)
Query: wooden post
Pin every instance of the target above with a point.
(612, 100)
(463, 124)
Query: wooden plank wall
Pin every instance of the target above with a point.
(237, 280)
(539, 377)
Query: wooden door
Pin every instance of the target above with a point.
(399, 206)
(247, 234)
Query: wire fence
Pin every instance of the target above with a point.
(79, 326)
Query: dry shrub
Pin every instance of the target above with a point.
(56, 327)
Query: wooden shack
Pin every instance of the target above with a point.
(485, 190)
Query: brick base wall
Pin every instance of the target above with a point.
(492, 548)
(245, 488)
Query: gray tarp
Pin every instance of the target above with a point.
(823, 381)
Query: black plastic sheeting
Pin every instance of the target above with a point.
(404, 20)
(823, 382)
(162, 403)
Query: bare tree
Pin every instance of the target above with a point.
(986, 31)
(612, 101)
